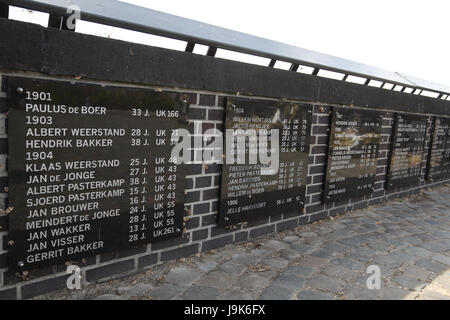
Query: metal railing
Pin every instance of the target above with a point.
(131, 17)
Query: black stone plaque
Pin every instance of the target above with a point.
(253, 191)
(439, 157)
(352, 154)
(90, 169)
(407, 150)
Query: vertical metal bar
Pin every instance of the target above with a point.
(54, 21)
(345, 77)
(272, 63)
(294, 67)
(382, 85)
(403, 89)
(4, 10)
(367, 82)
(315, 71)
(211, 51)
(440, 96)
(190, 47)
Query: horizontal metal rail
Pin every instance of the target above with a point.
(127, 16)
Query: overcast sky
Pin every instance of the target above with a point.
(407, 36)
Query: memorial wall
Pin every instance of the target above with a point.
(90, 179)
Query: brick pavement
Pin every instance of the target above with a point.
(409, 240)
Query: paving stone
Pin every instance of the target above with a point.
(109, 297)
(183, 275)
(378, 247)
(245, 259)
(268, 274)
(442, 259)
(414, 240)
(409, 282)
(340, 234)
(338, 248)
(419, 252)
(426, 237)
(165, 291)
(313, 262)
(156, 272)
(316, 241)
(291, 239)
(260, 252)
(238, 294)
(139, 289)
(288, 281)
(416, 272)
(276, 245)
(325, 253)
(361, 254)
(314, 295)
(440, 233)
(389, 260)
(206, 266)
(360, 292)
(337, 271)
(253, 282)
(325, 283)
(277, 293)
(353, 241)
(435, 246)
(289, 254)
(392, 293)
(350, 264)
(398, 242)
(298, 270)
(303, 248)
(308, 234)
(431, 265)
(217, 279)
(233, 268)
(200, 293)
(402, 256)
(276, 263)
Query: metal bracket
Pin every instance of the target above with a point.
(211, 51)
(59, 22)
(190, 47)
